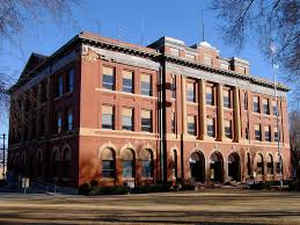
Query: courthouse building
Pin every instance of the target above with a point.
(122, 114)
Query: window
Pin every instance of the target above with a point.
(108, 163)
(228, 128)
(257, 129)
(211, 127)
(127, 81)
(190, 56)
(275, 108)
(59, 122)
(127, 163)
(127, 119)
(209, 96)
(146, 120)
(256, 107)
(191, 120)
(60, 86)
(70, 120)
(226, 98)
(173, 87)
(174, 51)
(278, 170)
(191, 92)
(267, 133)
(270, 165)
(147, 163)
(246, 101)
(108, 78)
(173, 122)
(207, 60)
(43, 92)
(70, 80)
(260, 165)
(247, 133)
(266, 106)
(107, 117)
(224, 66)
(146, 87)
(276, 134)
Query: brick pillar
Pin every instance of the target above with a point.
(202, 110)
(220, 119)
(236, 111)
(184, 113)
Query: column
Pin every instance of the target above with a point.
(183, 107)
(202, 109)
(236, 113)
(220, 121)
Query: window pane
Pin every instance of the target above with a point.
(108, 168)
(108, 81)
(70, 121)
(191, 125)
(147, 168)
(146, 87)
(127, 168)
(71, 80)
(127, 123)
(146, 120)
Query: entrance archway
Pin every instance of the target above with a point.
(216, 167)
(197, 166)
(234, 166)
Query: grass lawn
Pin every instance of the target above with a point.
(211, 207)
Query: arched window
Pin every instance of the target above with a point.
(270, 164)
(108, 163)
(67, 155)
(197, 166)
(260, 164)
(128, 163)
(279, 158)
(175, 166)
(147, 163)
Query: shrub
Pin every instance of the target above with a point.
(85, 188)
(260, 186)
(294, 186)
(152, 188)
(116, 190)
(94, 183)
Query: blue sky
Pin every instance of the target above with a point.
(131, 21)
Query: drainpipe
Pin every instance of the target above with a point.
(161, 125)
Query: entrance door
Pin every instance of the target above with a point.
(197, 166)
(234, 167)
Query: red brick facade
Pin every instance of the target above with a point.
(202, 121)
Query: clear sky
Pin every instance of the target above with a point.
(134, 21)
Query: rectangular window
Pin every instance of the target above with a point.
(257, 129)
(146, 120)
(256, 106)
(108, 78)
(173, 121)
(275, 108)
(127, 119)
(70, 120)
(60, 86)
(246, 101)
(107, 117)
(173, 87)
(108, 168)
(146, 87)
(59, 122)
(276, 134)
(70, 80)
(210, 127)
(127, 81)
(226, 98)
(209, 96)
(191, 92)
(228, 128)
(267, 133)
(266, 106)
(191, 120)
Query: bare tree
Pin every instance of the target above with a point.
(269, 22)
(14, 18)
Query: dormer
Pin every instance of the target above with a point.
(208, 55)
(240, 65)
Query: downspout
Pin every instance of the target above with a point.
(160, 122)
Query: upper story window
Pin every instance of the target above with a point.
(191, 92)
(60, 86)
(146, 86)
(191, 120)
(127, 119)
(173, 122)
(227, 99)
(247, 133)
(267, 133)
(224, 66)
(209, 95)
(174, 51)
(266, 106)
(210, 127)
(275, 108)
(43, 91)
(246, 101)
(107, 117)
(70, 80)
(70, 120)
(228, 128)
(173, 87)
(108, 78)
(127, 81)
(59, 122)
(146, 120)
(257, 128)
(190, 56)
(276, 134)
(256, 106)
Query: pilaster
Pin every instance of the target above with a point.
(202, 109)
(236, 111)
(220, 109)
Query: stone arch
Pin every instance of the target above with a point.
(127, 146)
(270, 163)
(104, 146)
(150, 147)
(216, 165)
(197, 166)
(234, 166)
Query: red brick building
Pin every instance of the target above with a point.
(101, 109)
